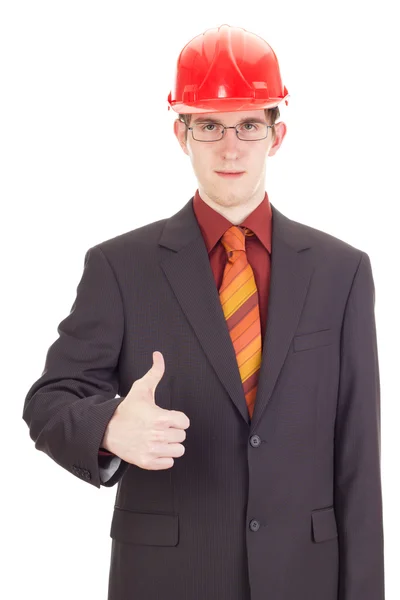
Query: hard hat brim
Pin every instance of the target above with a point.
(226, 105)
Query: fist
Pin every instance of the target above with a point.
(142, 433)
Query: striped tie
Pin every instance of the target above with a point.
(239, 301)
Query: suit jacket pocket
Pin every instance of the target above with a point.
(324, 525)
(149, 529)
(306, 341)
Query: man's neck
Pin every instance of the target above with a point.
(237, 213)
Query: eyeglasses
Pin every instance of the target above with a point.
(201, 133)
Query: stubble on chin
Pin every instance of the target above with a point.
(224, 197)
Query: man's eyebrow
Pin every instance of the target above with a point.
(246, 120)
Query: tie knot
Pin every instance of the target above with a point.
(234, 239)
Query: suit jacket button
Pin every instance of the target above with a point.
(254, 525)
(255, 441)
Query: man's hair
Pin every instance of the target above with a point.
(271, 115)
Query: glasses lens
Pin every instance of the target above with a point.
(207, 132)
(252, 131)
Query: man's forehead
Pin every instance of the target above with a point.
(230, 116)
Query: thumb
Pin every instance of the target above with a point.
(155, 373)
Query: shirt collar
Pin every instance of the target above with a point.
(213, 225)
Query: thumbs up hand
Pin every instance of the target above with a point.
(142, 433)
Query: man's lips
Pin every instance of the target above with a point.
(230, 173)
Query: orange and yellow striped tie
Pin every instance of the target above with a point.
(239, 300)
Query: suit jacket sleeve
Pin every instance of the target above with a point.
(358, 495)
(68, 408)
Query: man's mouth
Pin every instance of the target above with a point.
(230, 174)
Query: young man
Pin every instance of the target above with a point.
(246, 438)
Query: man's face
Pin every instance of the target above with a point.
(230, 154)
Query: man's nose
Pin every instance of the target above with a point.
(230, 131)
(230, 139)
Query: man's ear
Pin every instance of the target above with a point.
(179, 130)
(280, 132)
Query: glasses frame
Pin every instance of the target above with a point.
(223, 132)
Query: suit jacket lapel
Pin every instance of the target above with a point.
(185, 262)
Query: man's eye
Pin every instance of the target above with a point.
(209, 125)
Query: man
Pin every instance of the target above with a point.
(246, 438)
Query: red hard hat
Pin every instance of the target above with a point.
(226, 69)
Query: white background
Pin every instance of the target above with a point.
(78, 81)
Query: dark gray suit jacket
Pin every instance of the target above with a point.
(285, 507)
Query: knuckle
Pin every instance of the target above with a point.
(161, 420)
(157, 435)
(145, 462)
(152, 450)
